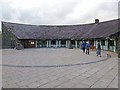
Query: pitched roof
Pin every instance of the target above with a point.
(104, 29)
(93, 30)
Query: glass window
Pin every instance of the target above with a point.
(111, 42)
(53, 42)
(63, 42)
(103, 42)
(73, 42)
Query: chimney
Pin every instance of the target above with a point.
(96, 20)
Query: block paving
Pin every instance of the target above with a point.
(102, 74)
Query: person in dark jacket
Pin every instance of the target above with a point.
(98, 53)
(83, 46)
(87, 47)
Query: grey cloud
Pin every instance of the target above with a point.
(104, 11)
(119, 9)
(57, 14)
(6, 13)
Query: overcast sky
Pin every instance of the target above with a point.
(58, 12)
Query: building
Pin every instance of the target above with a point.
(39, 36)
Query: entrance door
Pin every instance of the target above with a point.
(111, 45)
(92, 44)
(31, 44)
(41, 43)
(44, 43)
(73, 43)
(63, 43)
(28, 43)
(53, 43)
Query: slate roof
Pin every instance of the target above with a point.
(83, 31)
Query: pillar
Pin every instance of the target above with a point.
(79, 44)
(106, 44)
(101, 45)
(47, 43)
(70, 45)
(94, 43)
(36, 43)
(75, 43)
(115, 45)
(59, 43)
(66, 43)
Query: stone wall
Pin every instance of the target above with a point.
(118, 46)
(0, 40)
(8, 39)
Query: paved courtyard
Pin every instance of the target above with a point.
(58, 68)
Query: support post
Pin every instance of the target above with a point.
(59, 43)
(66, 43)
(47, 43)
(106, 44)
(115, 45)
(75, 43)
(36, 43)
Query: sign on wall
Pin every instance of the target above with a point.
(32, 42)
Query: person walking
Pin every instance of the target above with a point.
(83, 46)
(98, 53)
(87, 47)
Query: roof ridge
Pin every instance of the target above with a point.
(52, 25)
(109, 21)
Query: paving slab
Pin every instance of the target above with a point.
(102, 74)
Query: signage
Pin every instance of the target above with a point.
(32, 42)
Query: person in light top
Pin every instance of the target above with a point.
(87, 47)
